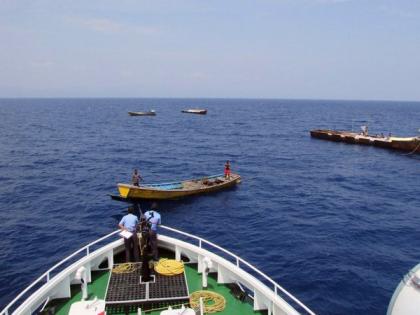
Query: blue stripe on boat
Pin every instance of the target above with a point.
(177, 185)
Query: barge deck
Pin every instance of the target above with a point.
(409, 144)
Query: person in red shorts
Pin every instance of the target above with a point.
(227, 170)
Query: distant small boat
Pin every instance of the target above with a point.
(150, 113)
(195, 111)
(178, 189)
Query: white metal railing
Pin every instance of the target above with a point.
(239, 260)
(46, 275)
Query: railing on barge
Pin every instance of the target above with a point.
(238, 261)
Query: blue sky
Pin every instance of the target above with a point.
(328, 49)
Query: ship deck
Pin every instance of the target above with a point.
(100, 287)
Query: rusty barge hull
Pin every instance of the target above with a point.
(410, 144)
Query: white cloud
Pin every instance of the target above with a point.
(397, 12)
(96, 24)
(108, 26)
(327, 1)
(42, 64)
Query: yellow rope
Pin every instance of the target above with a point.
(213, 302)
(125, 268)
(169, 267)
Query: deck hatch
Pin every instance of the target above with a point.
(126, 288)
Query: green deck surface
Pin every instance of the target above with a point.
(100, 280)
(96, 288)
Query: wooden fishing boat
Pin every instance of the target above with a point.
(195, 111)
(178, 189)
(410, 144)
(149, 113)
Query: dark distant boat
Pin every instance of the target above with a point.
(195, 111)
(149, 113)
(176, 190)
(410, 144)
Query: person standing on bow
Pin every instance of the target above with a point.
(129, 223)
(136, 178)
(227, 169)
(153, 218)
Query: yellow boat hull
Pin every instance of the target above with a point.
(186, 188)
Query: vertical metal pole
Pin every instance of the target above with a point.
(201, 306)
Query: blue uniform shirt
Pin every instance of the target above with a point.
(130, 222)
(154, 218)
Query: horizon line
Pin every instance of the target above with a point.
(213, 98)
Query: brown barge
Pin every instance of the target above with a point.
(410, 144)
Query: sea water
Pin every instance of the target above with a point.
(337, 225)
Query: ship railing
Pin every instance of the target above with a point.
(238, 261)
(46, 277)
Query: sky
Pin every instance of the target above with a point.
(304, 49)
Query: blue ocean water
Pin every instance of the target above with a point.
(335, 224)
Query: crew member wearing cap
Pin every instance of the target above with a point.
(153, 217)
(129, 223)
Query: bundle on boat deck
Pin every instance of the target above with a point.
(175, 190)
(410, 144)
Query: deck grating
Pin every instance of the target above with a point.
(168, 287)
(126, 288)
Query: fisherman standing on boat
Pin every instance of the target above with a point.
(153, 217)
(136, 178)
(227, 169)
(129, 223)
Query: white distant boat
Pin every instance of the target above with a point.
(406, 297)
(195, 111)
(149, 113)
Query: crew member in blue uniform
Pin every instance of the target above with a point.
(153, 218)
(129, 223)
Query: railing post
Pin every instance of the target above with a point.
(87, 250)
(48, 276)
(199, 242)
(237, 262)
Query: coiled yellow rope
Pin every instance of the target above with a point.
(213, 302)
(169, 267)
(125, 268)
